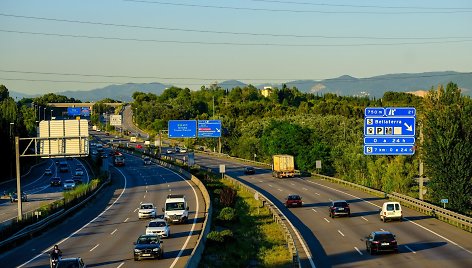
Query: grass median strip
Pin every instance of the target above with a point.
(243, 232)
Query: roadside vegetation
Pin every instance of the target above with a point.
(243, 227)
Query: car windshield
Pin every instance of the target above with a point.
(148, 240)
(294, 197)
(146, 159)
(68, 264)
(146, 206)
(69, 181)
(340, 204)
(174, 206)
(384, 237)
(157, 224)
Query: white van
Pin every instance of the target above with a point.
(391, 211)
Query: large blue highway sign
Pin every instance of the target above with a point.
(389, 131)
(209, 128)
(182, 128)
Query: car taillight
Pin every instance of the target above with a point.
(375, 242)
(393, 241)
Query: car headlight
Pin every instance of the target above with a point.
(155, 249)
(137, 250)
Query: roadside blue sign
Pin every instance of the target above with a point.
(182, 128)
(445, 201)
(389, 131)
(209, 128)
(389, 149)
(74, 111)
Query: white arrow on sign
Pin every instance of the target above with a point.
(217, 130)
(409, 128)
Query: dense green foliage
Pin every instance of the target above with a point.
(310, 127)
(448, 146)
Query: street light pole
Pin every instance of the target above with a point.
(44, 113)
(11, 141)
(51, 114)
(18, 177)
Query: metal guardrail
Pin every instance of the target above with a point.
(451, 217)
(276, 215)
(39, 226)
(234, 158)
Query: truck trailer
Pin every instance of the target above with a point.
(283, 166)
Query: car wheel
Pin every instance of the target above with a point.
(349, 214)
(331, 215)
(136, 259)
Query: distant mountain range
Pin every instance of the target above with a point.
(344, 85)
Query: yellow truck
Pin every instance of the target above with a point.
(283, 166)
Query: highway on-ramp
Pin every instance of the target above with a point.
(340, 242)
(103, 232)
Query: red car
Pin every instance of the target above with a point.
(139, 146)
(293, 200)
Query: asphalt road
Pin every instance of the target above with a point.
(37, 187)
(339, 242)
(103, 232)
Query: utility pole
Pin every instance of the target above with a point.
(18, 177)
(421, 168)
(10, 149)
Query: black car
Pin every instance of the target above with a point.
(339, 207)
(381, 241)
(77, 180)
(14, 197)
(71, 262)
(148, 246)
(56, 181)
(249, 170)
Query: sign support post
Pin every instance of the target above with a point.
(18, 177)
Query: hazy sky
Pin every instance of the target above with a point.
(193, 43)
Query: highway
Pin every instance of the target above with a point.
(103, 232)
(37, 187)
(340, 242)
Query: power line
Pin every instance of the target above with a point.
(222, 32)
(359, 6)
(233, 43)
(297, 11)
(287, 80)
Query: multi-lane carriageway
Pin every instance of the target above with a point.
(103, 232)
(339, 242)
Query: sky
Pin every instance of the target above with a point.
(58, 45)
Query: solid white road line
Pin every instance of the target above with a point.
(360, 252)
(94, 247)
(87, 224)
(326, 219)
(364, 218)
(340, 233)
(410, 249)
(114, 231)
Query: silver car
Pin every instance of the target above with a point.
(159, 227)
(69, 184)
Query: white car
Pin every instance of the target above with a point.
(391, 211)
(79, 172)
(147, 210)
(183, 150)
(47, 171)
(159, 227)
(170, 151)
(69, 184)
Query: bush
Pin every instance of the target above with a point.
(215, 236)
(228, 197)
(227, 214)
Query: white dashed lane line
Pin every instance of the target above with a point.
(360, 252)
(326, 219)
(364, 218)
(94, 247)
(114, 231)
(340, 233)
(407, 247)
(126, 219)
(121, 264)
(314, 210)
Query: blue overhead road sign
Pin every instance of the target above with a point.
(389, 131)
(182, 128)
(209, 128)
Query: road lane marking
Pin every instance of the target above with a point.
(364, 218)
(305, 189)
(135, 210)
(271, 185)
(410, 249)
(382, 230)
(326, 219)
(126, 219)
(146, 186)
(280, 190)
(87, 224)
(114, 231)
(360, 252)
(331, 200)
(260, 181)
(314, 210)
(340, 233)
(317, 193)
(121, 264)
(94, 247)
(144, 197)
(292, 184)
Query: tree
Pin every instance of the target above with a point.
(447, 145)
